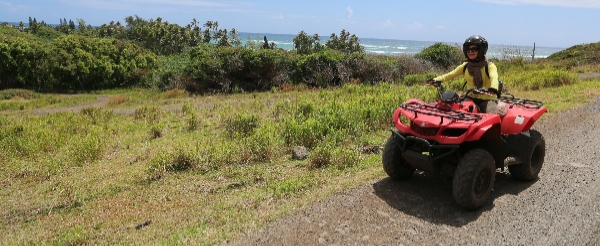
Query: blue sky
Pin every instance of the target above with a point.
(547, 23)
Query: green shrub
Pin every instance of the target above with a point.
(193, 122)
(206, 69)
(191, 112)
(79, 62)
(171, 74)
(188, 108)
(442, 55)
(305, 109)
(262, 145)
(156, 131)
(321, 156)
(178, 160)
(47, 34)
(374, 69)
(85, 149)
(345, 158)
(319, 69)
(23, 62)
(241, 69)
(218, 154)
(6, 30)
(72, 62)
(345, 43)
(151, 114)
(307, 133)
(305, 45)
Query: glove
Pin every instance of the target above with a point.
(493, 90)
(480, 91)
(434, 82)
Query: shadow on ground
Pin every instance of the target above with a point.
(430, 198)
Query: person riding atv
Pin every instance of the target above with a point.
(454, 137)
(475, 48)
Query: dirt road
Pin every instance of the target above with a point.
(562, 207)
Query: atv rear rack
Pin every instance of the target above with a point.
(523, 102)
(428, 109)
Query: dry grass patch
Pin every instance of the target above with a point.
(117, 100)
(175, 93)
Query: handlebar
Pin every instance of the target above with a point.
(435, 83)
(481, 91)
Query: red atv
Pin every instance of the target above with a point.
(451, 137)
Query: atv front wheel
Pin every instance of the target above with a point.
(393, 163)
(536, 150)
(474, 179)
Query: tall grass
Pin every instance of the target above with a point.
(45, 145)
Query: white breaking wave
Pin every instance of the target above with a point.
(391, 46)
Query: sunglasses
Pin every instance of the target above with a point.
(472, 49)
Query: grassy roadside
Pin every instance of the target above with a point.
(199, 170)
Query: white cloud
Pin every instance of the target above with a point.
(561, 3)
(388, 23)
(350, 12)
(277, 17)
(13, 8)
(440, 27)
(415, 25)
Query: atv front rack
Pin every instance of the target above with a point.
(431, 110)
(523, 102)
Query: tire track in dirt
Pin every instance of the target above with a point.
(101, 101)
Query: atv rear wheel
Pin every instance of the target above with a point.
(393, 163)
(474, 179)
(536, 151)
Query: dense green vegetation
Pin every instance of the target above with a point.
(72, 62)
(155, 53)
(578, 55)
(206, 168)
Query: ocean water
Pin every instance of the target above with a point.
(407, 47)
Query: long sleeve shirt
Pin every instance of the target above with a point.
(488, 82)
